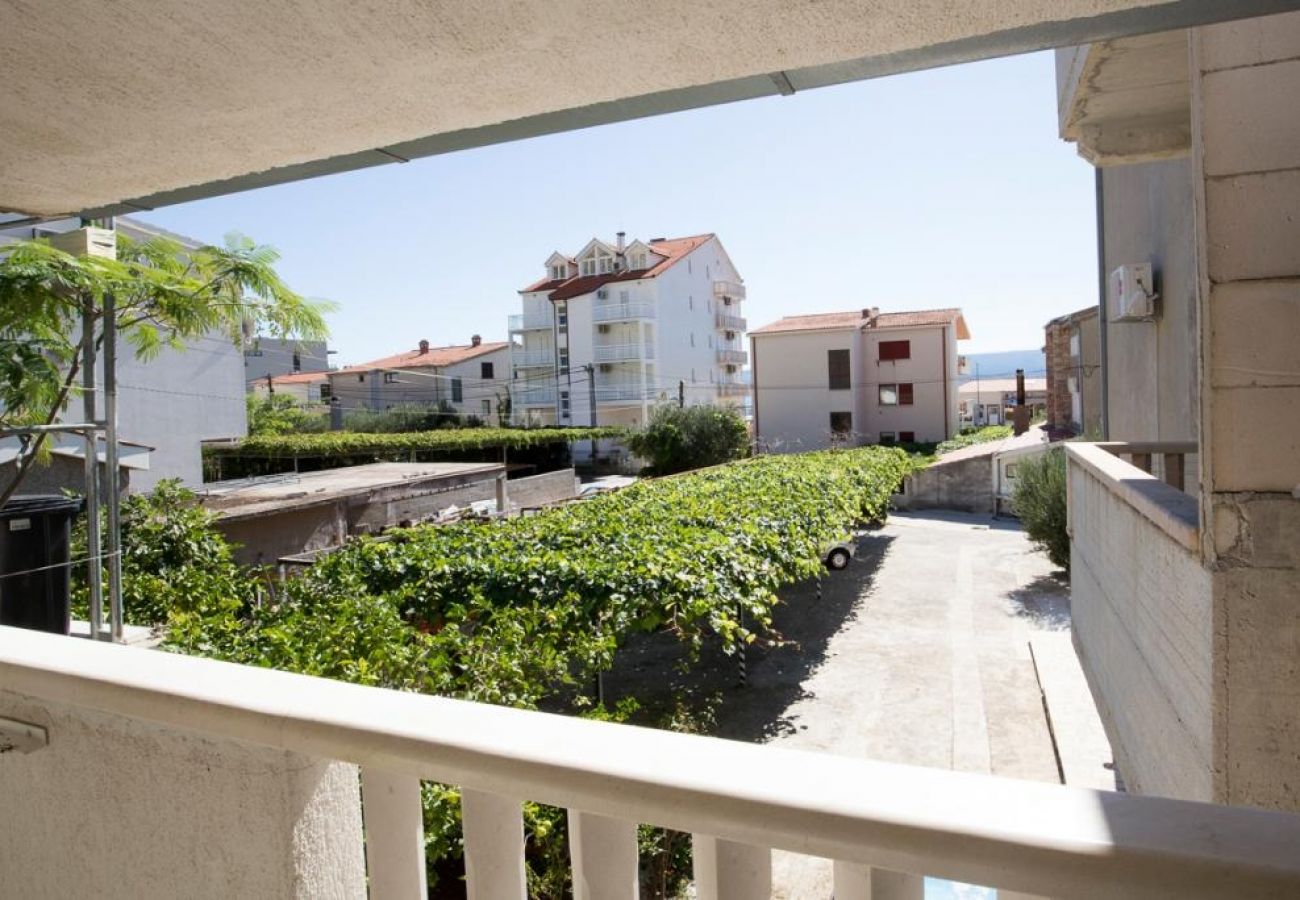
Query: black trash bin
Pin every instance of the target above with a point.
(35, 532)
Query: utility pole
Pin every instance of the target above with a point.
(591, 397)
(681, 394)
(94, 581)
(979, 402)
(113, 487)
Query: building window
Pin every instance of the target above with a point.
(559, 273)
(325, 391)
(692, 338)
(605, 265)
(837, 369)
(690, 302)
(361, 377)
(487, 408)
(841, 422)
(638, 260)
(390, 378)
(893, 350)
(1011, 470)
(564, 359)
(486, 371)
(887, 437)
(562, 315)
(457, 392)
(588, 267)
(297, 362)
(907, 437)
(905, 394)
(564, 404)
(888, 394)
(624, 297)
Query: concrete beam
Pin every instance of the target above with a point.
(144, 104)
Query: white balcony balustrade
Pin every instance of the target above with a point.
(609, 311)
(730, 289)
(204, 720)
(732, 356)
(532, 359)
(535, 321)
(629, 350)
(728, 322)
(733, 389)
(535, 397)
(619, 389)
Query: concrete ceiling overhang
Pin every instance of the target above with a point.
(106, 108)
(1127, 100)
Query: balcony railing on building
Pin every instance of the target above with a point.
(739, 801)
(608, 390)
(730, 289)
(727, 322)
(627, 350)
(539, 321)
(535, 397)
(525, 359)
(613, 311)
(732, 356)
(733, 389)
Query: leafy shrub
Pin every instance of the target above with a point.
(974, 436)
(281, 414)
(680, 438)
(408, 417)
(351, 443)
(1040, 502)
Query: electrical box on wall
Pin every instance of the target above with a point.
(1131, 294)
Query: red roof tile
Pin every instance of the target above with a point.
(814, 322)
(433, 357)
(673, 249)
(295, 378)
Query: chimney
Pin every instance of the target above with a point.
(1020, 413)
(475, 340)
(870, 312)
(424, 346)
(621, 236)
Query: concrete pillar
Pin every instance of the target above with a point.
(394, 821)
(1246, 154)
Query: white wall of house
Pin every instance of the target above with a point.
(478, 386)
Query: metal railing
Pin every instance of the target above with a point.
(730, 289)
(729, 355)
(532, 321)
(535, 397)
(739, 800)
(628, 350)
(533, 358)
(622, 312)
(622, 390)
(733, 389)
(727, 322)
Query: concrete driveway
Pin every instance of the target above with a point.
(917, 653)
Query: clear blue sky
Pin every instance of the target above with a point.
(941, 188)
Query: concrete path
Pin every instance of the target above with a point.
(918, 653)
(932, 663)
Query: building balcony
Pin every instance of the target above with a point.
(543, 321)
(1141, 607)
(731, 356)
(727, 322)
(168, 754)
(632, 350)
(535, 397)
(623, 390)
(730, 289)
(622, 312)
(733, 389)
(532, 359)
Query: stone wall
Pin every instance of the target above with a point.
(961, 484)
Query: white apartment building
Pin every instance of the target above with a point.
(618, 327)
(859, 377)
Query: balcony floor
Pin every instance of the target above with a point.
(918, 653)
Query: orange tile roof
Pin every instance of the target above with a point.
(673, 249)
(434, 357)
(862, 319)
(295, 378)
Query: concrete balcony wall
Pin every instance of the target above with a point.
(1143, 623)
(117, 807)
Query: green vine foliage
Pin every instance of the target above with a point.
(527, 611)
(357, 443)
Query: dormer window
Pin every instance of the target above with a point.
(588, 267)
(605, 264)
(559, 273)
(638, 260)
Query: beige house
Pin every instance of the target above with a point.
(860, 377)
(131, 773)
(1186, 545)
(472, 379)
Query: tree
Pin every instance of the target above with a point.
(162, 293)
(680, 438)
(1040, 502)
